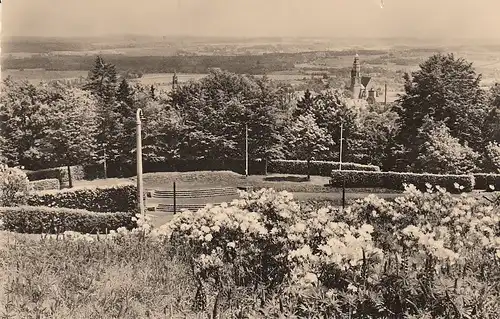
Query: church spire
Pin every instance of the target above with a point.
(356, 77)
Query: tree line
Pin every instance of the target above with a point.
(443, 122)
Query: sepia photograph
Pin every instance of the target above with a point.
(250, 159)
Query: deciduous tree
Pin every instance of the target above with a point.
(70, 135)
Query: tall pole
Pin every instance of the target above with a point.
(341, 138)
(246, 149)
(385, 94)
(175, 200)
(140, 191)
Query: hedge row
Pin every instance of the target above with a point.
(395, 180)
(116, 198)
(255, 167)
(60, 173)
(51, 220)
(46, 184)
(483, 181)
(319, 168)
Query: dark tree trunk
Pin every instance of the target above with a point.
(265, 166)
(70, 178)
(308, 169)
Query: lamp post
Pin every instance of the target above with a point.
(140, 191)
(341, 138)
(340, 164)
(246, 149)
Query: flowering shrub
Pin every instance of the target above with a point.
(427, 253)
(14, 186)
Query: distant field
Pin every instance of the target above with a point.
(37, 75)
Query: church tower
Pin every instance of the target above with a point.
(356, 78)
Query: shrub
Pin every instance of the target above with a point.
(483, 181)
(14, 186)
(116, 198)
(46, 184)
(36, 220)
(396, 180)
(320, 168)
(60, 173)
(255, 167)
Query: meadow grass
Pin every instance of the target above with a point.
(49, 278)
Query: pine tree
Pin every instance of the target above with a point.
(102, 81)
(304, 105)
(307, 140)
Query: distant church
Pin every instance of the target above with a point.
(362, 87)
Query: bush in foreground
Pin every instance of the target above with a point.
(46, 184)
(116, 198)
(54, 220)
(487, 181)
(14, 186)
(425, 255)
(396, 180)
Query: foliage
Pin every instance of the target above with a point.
(14, 186)
(56, 220)
(487, 182)
(318, 168)
(493, 155)
(397, 180)
(425, 254)
(70, 134)
(307, 140)
(446, 89)
(102, 81)
(116, 198)
(213, 112)
(442, 153)
(60, 173)
(24, 111)
(45, 184)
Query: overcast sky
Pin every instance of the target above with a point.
(315, 18)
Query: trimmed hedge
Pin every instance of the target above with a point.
(484, 180)
(108, 199)
(255, 167)
(54, 220)
(395, 180)
(318, 168)
(60, 173)
(46, 184)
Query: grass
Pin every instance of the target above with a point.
(210, 179)
(61, 279)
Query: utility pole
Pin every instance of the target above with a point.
(175, 200)
(246, 149)
(341, 138)
(385, 94)
(140, 191)
(340, 164)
